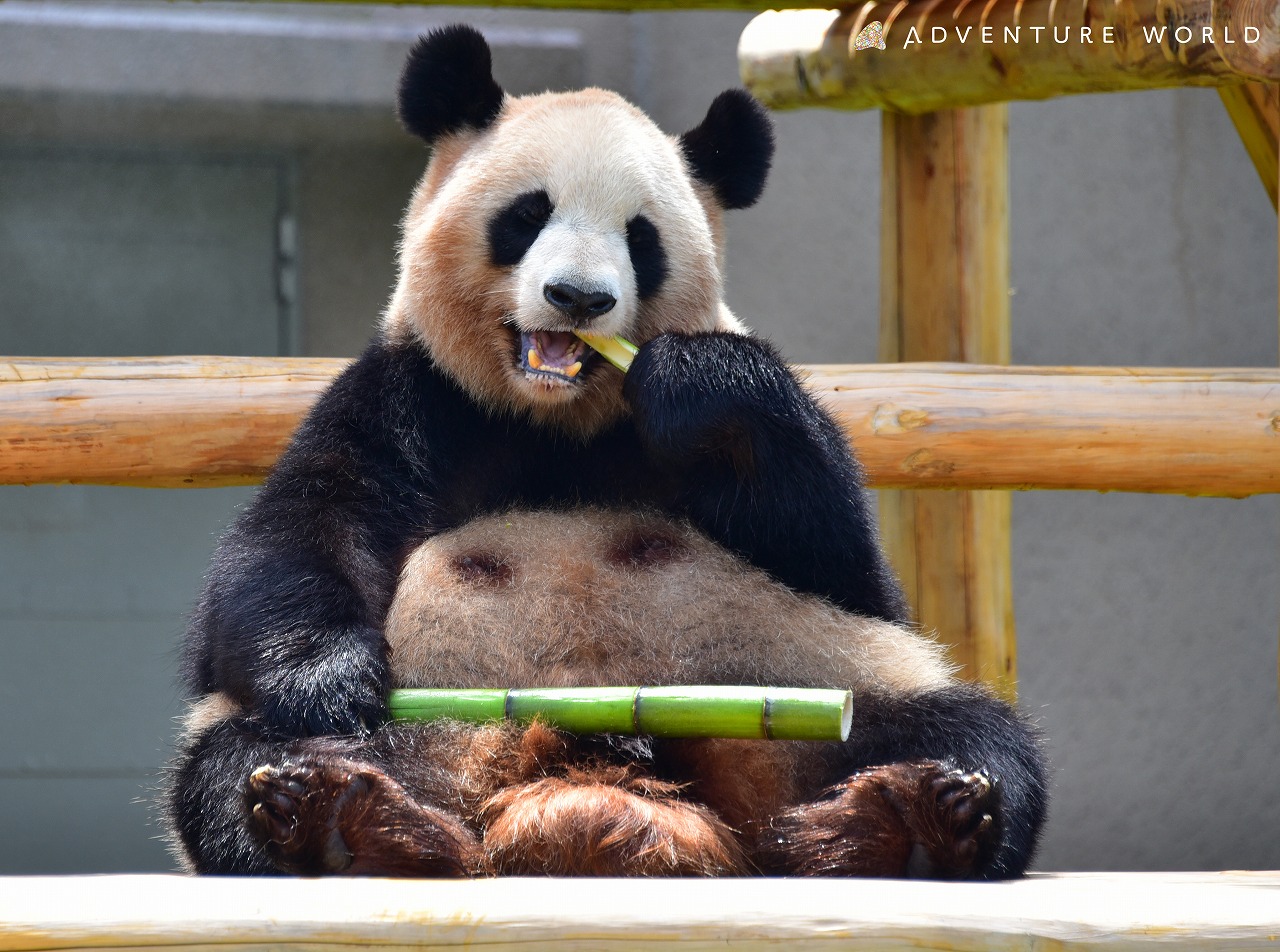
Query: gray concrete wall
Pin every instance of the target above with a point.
(1148, 625)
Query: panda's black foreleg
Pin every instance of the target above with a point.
(242, 803)
(284, 624)
(766, 472)
(949, 783)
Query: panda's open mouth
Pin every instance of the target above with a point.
(554, 355)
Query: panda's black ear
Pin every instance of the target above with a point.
(731, 148)
(447, 84)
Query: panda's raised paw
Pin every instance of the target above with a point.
(694, 393)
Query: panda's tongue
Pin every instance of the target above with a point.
(554, 346)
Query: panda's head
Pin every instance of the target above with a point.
(541, 215)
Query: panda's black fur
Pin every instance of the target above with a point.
(286, 650)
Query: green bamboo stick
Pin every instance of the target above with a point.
(617, 350)
(686, 711)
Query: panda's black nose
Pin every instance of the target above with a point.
(578, 304)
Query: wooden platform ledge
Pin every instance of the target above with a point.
(210, 421)
(1223, 912)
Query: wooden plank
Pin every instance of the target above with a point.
(996, 52)
(1071, 913)
(944, 293)
(1254, 108)
(209, 421)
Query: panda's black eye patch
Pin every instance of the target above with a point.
(514, 229)
(648, 258)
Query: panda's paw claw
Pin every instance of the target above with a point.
(965, 796)
(277, 781)
(955, 818)
(273, 796)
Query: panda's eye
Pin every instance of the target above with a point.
(648, 258)
(514, 229)
(534, 208)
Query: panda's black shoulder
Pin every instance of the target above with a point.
(387, 381)
(388, 415)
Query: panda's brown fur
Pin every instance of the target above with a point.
(479, 500)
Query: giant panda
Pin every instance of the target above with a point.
(481, 500)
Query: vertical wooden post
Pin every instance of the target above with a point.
(1254, 108)
(944, 288)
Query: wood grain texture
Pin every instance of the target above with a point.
(807, 57)
(208, 421)
(1259, 58)
(1194, 432)
(176, 421)
(1225, 912)
(944, 293)
(1254, 109)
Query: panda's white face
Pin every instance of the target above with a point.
(572, 212)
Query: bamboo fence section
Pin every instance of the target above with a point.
(944, 296)
(1098, 912)
(209, 421)
(973, 53)
(669, 711)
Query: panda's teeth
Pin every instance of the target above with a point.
(534, 360)
(572, 369)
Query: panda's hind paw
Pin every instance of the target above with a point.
(324, 815)
(292, 813)
(954, 819)
(922, 819)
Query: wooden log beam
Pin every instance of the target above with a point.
(176, 421)
(210, 421)
(1092, 912)
(944, 296)
(1254, 108)
(944, 54)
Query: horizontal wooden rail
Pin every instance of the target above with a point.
(944, 54)
(210, 421)
(168, 421)
(1226, 912)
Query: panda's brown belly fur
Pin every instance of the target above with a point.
(591, 596)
